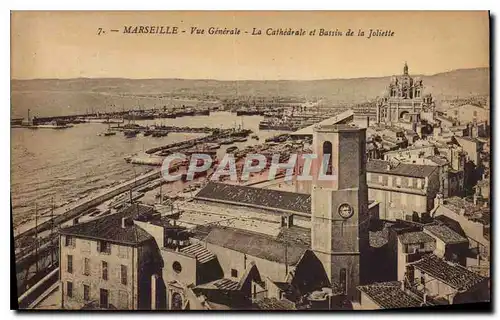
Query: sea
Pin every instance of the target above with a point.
(54, 167)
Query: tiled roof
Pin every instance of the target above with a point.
(438, 160)
(415, 237)
(470, 210)
(256, 244)
(379, 238)
(452, 274)
(402, 169)
(220, 284)
(201, 253)
(389, 295)
(110, 228)
(251, 196)
(444, 233)
(296, 234)
(274, 304)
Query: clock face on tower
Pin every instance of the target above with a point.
(345, 211)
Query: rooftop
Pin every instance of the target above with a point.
(256, 197)
(444, 233)
(415, 237)
(343, 117)
(389, 295)
(109, 228)
(450, 273)
(254, 244)
(220, 284)
(438, 160)
(296, 234)
(402, 169)
(469, 209)
(198, 251)
(274, 304)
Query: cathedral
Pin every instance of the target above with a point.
(404, 101)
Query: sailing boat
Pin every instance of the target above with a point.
(108, 132)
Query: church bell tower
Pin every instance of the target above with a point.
(339, 222)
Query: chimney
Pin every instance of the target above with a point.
(438, 200)
(75, 221)
(475, 198)
(425, 298)
(287, 221)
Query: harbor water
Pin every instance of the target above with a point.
(59, 166)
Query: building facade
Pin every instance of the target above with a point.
(401, 188)
(404, 101)
(106, 263)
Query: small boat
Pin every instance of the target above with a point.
(212, 146)
(256, 137)
(226, 141)
(109, 133)
(130, 133)
(240, 139)
(148, 133)
(231, 149)
(157, 134)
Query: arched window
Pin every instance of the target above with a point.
(176, 301)
(327, 154)
(384, 113)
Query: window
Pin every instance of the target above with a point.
(103, 298)
(343, 280)
(69, 289)
(124, 274)
(177, 267)
(234, 273)
(327, 156)
(474, 113)
(69, 241)
(104, 270)
(176, 301)
(86, 266)
(86, 292)
(104, 247)
(70, 264)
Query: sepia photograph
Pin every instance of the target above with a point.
(250, 160)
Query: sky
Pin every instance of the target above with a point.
(65, 44)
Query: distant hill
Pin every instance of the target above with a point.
(71, 96)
